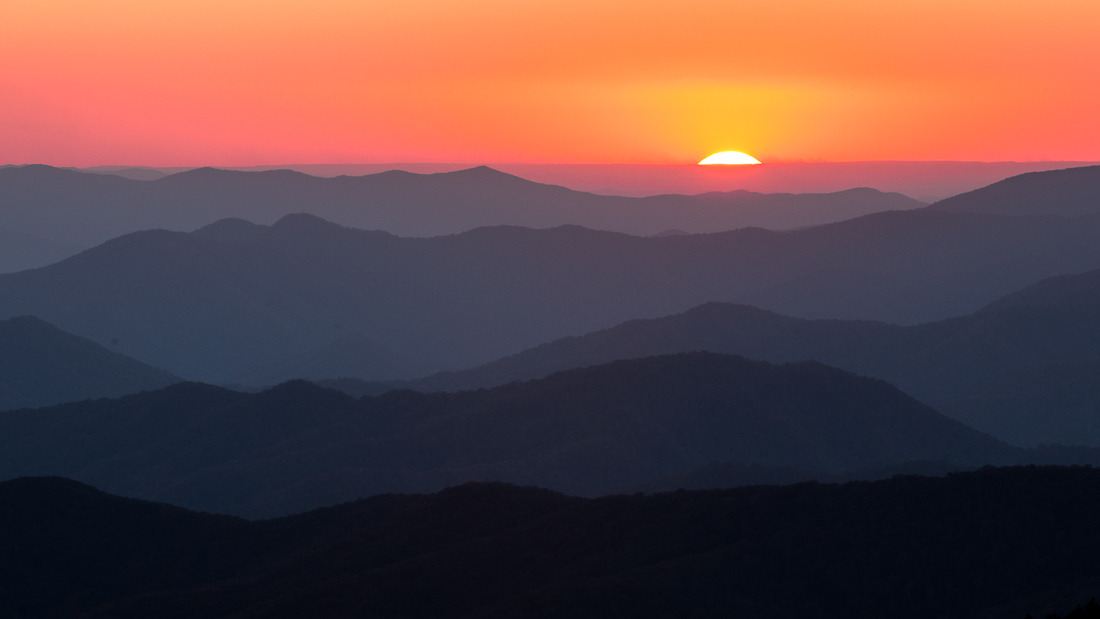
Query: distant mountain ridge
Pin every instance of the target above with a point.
(1020, 368)
(79, 210)
(928, 181)
(1070, 192)
(41, 365)
(587, 431)
(224, 303)
(242, 303)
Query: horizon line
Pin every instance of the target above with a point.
(545, 164)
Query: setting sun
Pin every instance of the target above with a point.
(729, 157)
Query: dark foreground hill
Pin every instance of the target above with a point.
(41, 365)
(997, 543)
(77, 211)
(589, 432)
(1023, 368)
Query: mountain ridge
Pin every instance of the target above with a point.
(294, 288)
(79, 210)
(966, 541)
(961, 365)
(1068, 192)
(584, 431)
(41, 365)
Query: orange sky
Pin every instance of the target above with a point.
(242, 82)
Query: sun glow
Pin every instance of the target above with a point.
(242, 83)
(729, 157)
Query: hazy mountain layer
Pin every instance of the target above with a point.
(1069, 192)
(1022, 369)
(238, 302)
(41, 365)
(76, 211)
(587, 431)
(998, 543)
(928, 181)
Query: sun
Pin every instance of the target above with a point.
(729, 157)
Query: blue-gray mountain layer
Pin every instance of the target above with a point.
(41, 365)
(68, 211)
(237, 302)
(588, 431)
(1023, 368)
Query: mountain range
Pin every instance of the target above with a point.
(242, 303)
(76, 210)
(907, 342)
(1020, 369)
(588, 431)
(1069, 192)
(994, 543)
(41, 365)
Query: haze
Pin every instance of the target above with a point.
(364, 308)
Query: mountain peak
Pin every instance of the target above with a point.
(230, 229)
(203, 172)
(485, 174)
(304, 222)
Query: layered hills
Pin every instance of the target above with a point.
(77, 211)
(587, 431)
(236, 302)
(625, 409)
(1021, 368)
(41, 365)
(989, 544)
(1068, 192)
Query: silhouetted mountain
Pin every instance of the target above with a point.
(928, 181)
(1022, 369)
(68, 548)
(77, 210)
(133, 173)
(586, 431)
(990, 544)
(208, 305)
(1079, 291)
(1070, 192)
(41, 365)
(716, 327)
(736, 474)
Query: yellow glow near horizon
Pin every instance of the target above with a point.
(730, 157)
(203, 82)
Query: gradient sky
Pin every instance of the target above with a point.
(242, 82)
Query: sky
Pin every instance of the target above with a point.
(245, 82)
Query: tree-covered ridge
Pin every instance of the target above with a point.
(587, 431)
(992, 543)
